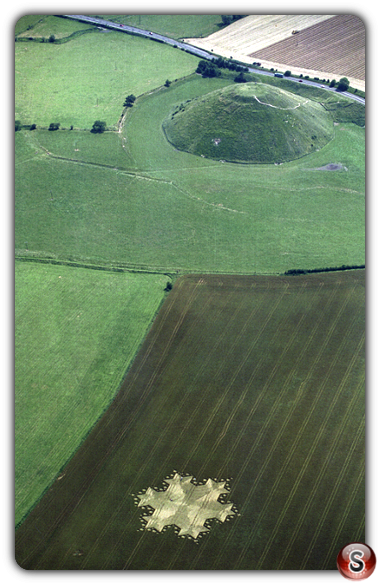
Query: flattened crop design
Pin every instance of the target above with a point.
(186, 505)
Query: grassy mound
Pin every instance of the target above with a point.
(251, 122)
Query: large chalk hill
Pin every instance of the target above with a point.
(249, 123)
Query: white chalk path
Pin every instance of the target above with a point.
(278, 107)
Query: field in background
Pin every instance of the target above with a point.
(255, 32)
(176, 26)
(77, 331)
(336, 46)
(88, 78)
(38, 26)
(259, 380)
(325, 46)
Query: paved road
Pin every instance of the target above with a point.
(194, 50)
(139, 31)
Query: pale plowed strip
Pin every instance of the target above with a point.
(256, 32)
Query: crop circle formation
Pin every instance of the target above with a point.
(185, 505)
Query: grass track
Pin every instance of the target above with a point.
(234, 413)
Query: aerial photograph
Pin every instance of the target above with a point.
(189, 328)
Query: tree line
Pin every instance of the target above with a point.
(295, 271)
(212, 68)
(229, 18)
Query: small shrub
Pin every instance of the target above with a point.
(54, 126)
(287, 73)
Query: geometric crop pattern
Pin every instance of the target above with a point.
(185, 505)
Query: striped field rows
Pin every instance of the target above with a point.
(255, 380)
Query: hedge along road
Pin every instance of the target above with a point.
(194, 50)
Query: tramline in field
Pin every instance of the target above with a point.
(231, 436)
(258, 380)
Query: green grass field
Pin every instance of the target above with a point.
(77, 332)
(39, 26)
(127, 199)
(155, 206)
(176, 26)
(258, 380)
(88, 78)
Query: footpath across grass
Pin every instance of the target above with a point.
(77, 331)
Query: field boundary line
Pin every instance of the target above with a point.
(96, 432)
(120, 170)
(127, 424)
(101, 267)
(222, 398)
(160, 474)
(200, 403)
(148, 461)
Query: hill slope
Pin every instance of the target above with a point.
(250, 122)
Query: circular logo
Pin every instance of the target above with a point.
(356, 561)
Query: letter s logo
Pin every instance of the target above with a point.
(356, 565)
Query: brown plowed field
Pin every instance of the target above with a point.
(258, 380)
(336, 45)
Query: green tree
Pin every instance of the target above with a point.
(343, 84)
(167, 83)
(54, 126)
(52, 39)
(287, 73)
(207, 69)
(332, 83)
(98, 127)
(226, 20)
(129, 101)
(240, 78)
